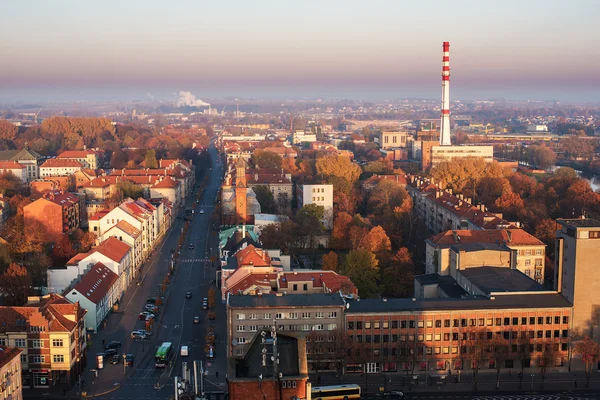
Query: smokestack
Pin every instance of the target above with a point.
(445, 126)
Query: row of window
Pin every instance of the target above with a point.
(458, 322)
(37, 359)
(304, 327)
(292, 315)
(33, 344)
(318, 190)
(540, 334)
(318, 198)
(530, 252)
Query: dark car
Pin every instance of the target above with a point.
(115, 359)
(109, 352)
(393, 394)
(191, 246)
(112, 345)
(205, 304)
(196, 320)
(129, 360)
(188, 295)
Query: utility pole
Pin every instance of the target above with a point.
(176, 389)
(195, 378)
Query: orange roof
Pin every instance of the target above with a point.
(262, 280)
(76, 258)
(7, 354)
(166, 183)
(101, 181)
(112, 248)
(510, 237)
(61, 163)
(127, 228)
(11, 165)
(75, 153)
(98, 216)
(96, 283)
(250, 255)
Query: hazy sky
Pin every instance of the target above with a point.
(371, 49)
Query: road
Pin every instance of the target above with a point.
(175, 323)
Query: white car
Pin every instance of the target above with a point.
(201, 211)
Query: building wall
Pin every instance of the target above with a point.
(59, 279)
(134, 243)
(435, 337)
(394, 139)
(170, 194)
(49, 214)
(269, 388)
(447, 153)
(58, 171)
(11, 387)
(321, 195)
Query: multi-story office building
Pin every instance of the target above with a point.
(87, 158)
(319, 194)
(57, 212)
(576, 269)
(391, 139)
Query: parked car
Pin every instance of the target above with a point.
(191, 246)
(196, 320)
(201, 211)
(393, 394)
(205, 304)
(129, 360)
(110, 352)
(188, 295)
(145, 332)
(115, 359)
(113, 345)
(145, 314)
(152, 308)
(137, 335)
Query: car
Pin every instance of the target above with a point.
(110, 352)
(191, 246)
(393, 394)
(129, 359)
(144, 315)
(201, 211)
(112, 345)
(205, 304)
(152, 308)
(137, 335)
(196, 320)
(188, 295)
(115, 359)
(145, 332)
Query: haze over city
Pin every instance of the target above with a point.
(376, 50)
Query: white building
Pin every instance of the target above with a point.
(301, 137)
(59, 167)
(13, 167)
(97, 292)
(319, 194)
(127, 233)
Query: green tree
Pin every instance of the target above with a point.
(129, 189)
(309, 219)
(265, 199)
(266, 159)
(362, 268)
(541, 156)
(150, 159)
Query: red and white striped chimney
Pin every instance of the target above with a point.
(445, 124)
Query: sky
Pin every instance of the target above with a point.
(369, 49)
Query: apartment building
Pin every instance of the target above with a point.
(576, 271)
(391, 139)
(525, 252)
(13, 167)
(11, 387)
(319, 194)
(26, 157)
(59, 167)
(90, 159)
(57, 212)
(50, 330)
(389, 335)
(127, 233)
(279, 184)
(170, 189)
(298, 314)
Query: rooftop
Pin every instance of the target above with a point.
(61, 163)
(446, 283)
(288, 300)
(515, 301)
(112, 248)
(579, 223)
(469, 247)
(511, 237)
(96, 282)
(7, 354)
(499, 279)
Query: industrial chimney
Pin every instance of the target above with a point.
(445, 126)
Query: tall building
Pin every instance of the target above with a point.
(445, 123)
(319, 194)
(576, 259)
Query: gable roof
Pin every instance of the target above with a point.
(127, 228)
(112, 248)
(11, 165)
(96, 283)
(251, 256)
(166, 183)
(510, 237)
(14, 155)
(76, 154)
(61, 163)
(7, 354)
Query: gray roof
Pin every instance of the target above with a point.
(500, 279)
(287, 300)
(479, 246)
(508, 301)
(580, 223)
(14, 155)
(446, 283)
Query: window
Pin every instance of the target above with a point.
(350, 325)
(20, 343)
(565, 320)
(332, 327)
(240, 328)
(429, 324)
(240, 317)
(557, 320)
(540, 334)
(278, 316)
(293, 315)
(438, 323)
(333, 314)
(438, 337)
(420, 338)
(527, 263)
(523, 320)
(318, 314)
(58, 358)
(548, 334)
(540, 320)
(2, 342)
(403, 324)
(420, 324)
(386, 324)
(498, 321)
(548, 320)
(481, 321)
(489, 322)
(267, 316)
(446, 336)
(254, 328)
(506, 321)
(37, 343)
(57, 343)
(531, 320)
(241, 340)
(376, 325)
(538, 252)
(23, 358)
(463, 322)
(306, 315)
(38, 359)
(446, 323)
(319, 327)
(359, 324)
(394, 324)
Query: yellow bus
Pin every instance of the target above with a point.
(335, 392)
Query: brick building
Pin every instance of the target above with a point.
(58, 212)
(51, 332)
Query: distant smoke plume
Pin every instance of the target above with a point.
(188, 99)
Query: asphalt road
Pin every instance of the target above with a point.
(175, 322)
(562, 395)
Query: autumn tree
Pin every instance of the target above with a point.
(473, 351)
(118, 159)
(330, 261)
(309, 219)
(266, 159)
(524, 347)
(462, 175)
(150, 159)
(541, 156)
(63, 250)
(282, 235)
(8, 131)
(338, 166)
(386, 196)
(362, 268)
(397, 275)
(499, 348)
(15, 284)
(380, 167)
(589, 351)
(289, 166)
(128, 189)
(341, 228)
(265, 198)
(10, 184)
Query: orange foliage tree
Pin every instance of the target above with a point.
(15, 283)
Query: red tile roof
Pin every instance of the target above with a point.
(11, 165)
(112, 248)
(251, 280)
(510, 237)
(166, 183)
(127, 228)
(7, 354)
(49, 312)
(250, 255)
(61, 163)
(75, 154)
(96, 283)
(76, 258)
(267, 179)
(98, 216)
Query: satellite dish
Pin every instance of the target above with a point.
(234, 342)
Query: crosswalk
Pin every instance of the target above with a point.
(193, 260)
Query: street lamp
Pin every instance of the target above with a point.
(532, 375)
(124, 364)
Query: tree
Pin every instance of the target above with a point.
(566, 172)
(129, 189)
(462, 175)
(289, 166)
(15, 284)
(37, 264)
(8, 131)
(338, 166)
(282, 235)
(386, 196)
(363, 269)
(10, 184)
(547, 358)
(341, 228)
(266, 159)
(397, 275)
(473, 351)
(309, 219)
(499, 348)
(150, 159)
(63, 250)
(266, 200)
(523, 353)
(330, 261)
(211, 297)
(590, 355)
(541, 156)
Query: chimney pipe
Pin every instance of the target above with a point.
(445, 123)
